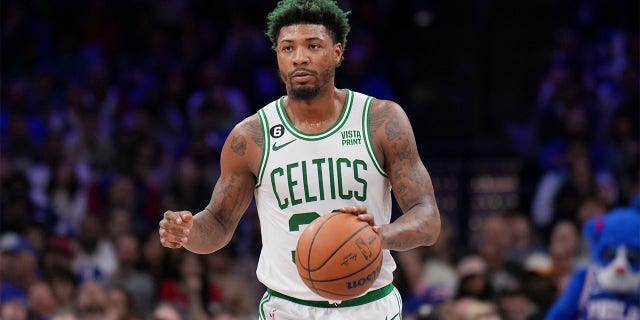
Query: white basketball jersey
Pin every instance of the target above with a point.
(303, 176)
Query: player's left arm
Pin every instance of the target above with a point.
(396, 149)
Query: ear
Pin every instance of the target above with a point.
(337, 53)
(593, 229)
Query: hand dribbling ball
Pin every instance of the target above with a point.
(338, 256)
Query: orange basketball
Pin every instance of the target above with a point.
(338, 256)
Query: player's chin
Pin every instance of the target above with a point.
(305, 92)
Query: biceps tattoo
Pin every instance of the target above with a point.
(239, 145)
(409, 180)
(392, 130)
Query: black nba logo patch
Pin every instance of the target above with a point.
(276, 131)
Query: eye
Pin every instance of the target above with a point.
(608, 254)
(286, 48)
(314, 46)
(634, 256)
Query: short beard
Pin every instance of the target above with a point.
(305, 93)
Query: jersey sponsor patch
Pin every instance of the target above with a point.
(351, 137)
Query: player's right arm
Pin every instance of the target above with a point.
(213, 227)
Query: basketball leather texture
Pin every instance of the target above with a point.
(338, 256)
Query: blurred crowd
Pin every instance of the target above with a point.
(114, 111)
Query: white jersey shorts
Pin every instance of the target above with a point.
(381, 304)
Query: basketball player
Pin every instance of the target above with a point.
(315, 150)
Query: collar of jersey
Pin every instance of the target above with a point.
(346, 109)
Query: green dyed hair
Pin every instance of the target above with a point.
(324, 12)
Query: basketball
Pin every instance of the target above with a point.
(338, 256)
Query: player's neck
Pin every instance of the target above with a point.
(317, 114)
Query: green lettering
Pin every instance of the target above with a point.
(332, 179)
(285, 204)
(305, 180)
(356, 164)
(339, 164)
(292, 183)
(318, 163)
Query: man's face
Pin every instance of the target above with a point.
(307, 58)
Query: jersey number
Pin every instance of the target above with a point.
(298, 220)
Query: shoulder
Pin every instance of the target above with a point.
(387, 110)
(249, 129)
(387, 116)
(243, 147)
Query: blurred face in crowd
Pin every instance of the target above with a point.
(515, 306)
(118, 306)
(127, 249)
(472, 309)
(13, 310)
(119, 223)
(307, 58)
(41, 299)
(494, 241)
(520, 235)
(20, 267)
(191, 266)
(564, 240)
(89, 235)
(91, 301)
(165, 312)
(64, 288)
(152, 251)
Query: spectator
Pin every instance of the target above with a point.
(120, 305)
(91, 302)
(514, 304)
(237, 298)
(64, 314)
(473, 272)
(13, 309)
(64, 285)
(191, 291)
(96, 258)
(165, 311)
(41, 301)
(120, 108)
(523, 239)
(19, 268)
(156, 260)
(469, 309)
(563, 250)
(138, 286)
(66, 198)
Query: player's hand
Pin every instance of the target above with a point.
(363, 215)
(175, 228)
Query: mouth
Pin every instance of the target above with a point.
(301, 76)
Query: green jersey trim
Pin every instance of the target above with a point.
(264, 125)
(369, 297)
(316, 136)
(368, 140)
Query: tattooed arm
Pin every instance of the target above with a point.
(411, 184)
(213, 227)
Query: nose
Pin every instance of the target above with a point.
(620, 270)
(300, 57)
